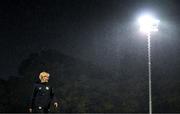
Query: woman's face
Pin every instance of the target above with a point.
(45, 79)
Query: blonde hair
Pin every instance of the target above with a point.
(43, 74)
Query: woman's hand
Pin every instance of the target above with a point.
(56, 104)
(30, 109)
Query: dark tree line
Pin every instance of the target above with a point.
(85, 87)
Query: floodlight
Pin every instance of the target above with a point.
(148, 24)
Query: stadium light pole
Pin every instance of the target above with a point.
(149, 24)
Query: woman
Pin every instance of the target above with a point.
(43, 95)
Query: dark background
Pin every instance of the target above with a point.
(94, 52)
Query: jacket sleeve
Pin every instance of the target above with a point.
(33, 96)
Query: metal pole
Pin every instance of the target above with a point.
(149, 72)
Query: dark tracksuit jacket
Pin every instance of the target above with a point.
(42, 97)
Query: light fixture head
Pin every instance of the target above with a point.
(148, 24)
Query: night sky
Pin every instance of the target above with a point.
(100, 31)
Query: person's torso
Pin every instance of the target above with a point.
(43, 95)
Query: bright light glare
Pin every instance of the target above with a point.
(148, 24)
